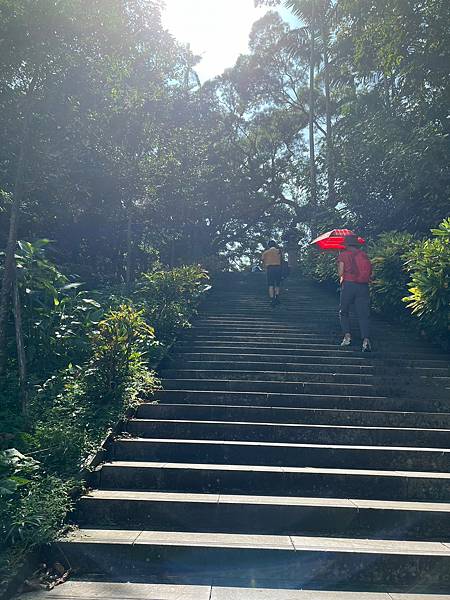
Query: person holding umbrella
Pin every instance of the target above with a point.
(355, 271)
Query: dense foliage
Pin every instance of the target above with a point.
(89, 362)
(411, 278)
(429, 267)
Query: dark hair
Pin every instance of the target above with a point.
(272, 244)
(351, 241)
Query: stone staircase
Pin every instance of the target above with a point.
(275, 465)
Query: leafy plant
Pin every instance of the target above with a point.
(388, 254)
(119, 345)
(57, 314)
(170, 297)
(429, 266)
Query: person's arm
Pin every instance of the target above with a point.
(341, 271)
(262, 260)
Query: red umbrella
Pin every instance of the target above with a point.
(334, 240)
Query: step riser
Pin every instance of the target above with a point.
(301, 384)
(269, 387)
(299, 416)
(342, 359)
(334, 458)
(254, 566)
(281, 376)
(356, 370)
(352, 402)
(289, 434)
(260, 519)
(283, 347)
(283, 367)
(211, 481)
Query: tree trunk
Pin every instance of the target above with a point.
(9, 263)
(329, 135)
(21, 356)
(312, 151)
(129, 262)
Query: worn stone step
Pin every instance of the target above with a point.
(289, 433)
(87, 590)
(249, 338)
(280, 454)
(381, 370)
(273, 375)
(264, 515)
(317, 416)
(260, 366)
(323, 332)
(82, 589)
(268, 387)
(272, 347)
(286, 481)
(299, 400)
(299, 560)
(238, 355)
(278, 345)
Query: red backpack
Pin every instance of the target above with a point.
(361, 267)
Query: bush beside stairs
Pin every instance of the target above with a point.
(275, 465)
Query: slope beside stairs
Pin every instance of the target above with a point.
(274, 465)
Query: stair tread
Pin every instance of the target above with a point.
(227, 499)
(219, 442)
(90, 590)
(275, 469)
(303, 410)
(290, 425)
(258, 542)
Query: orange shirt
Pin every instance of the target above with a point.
(272, 257)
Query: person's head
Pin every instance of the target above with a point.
(272, 244)
(351, 241)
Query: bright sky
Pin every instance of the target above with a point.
(217, 30)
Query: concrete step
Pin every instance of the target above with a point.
(264, 515)
(343, 358)
(82, 589)
(317, 416)
(87, 590)
(262, 480)
(283, 376)
(269, 387)
(289, 433)
(335, 367)
(256, 559)
(279, 454)
(274, 345)
(180, 394)
(268, 366)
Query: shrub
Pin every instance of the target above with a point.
(57, 315)
(75, 408)
(390, 277)
(33, 506)
(170, 297)
(119, 346)
(428, 264)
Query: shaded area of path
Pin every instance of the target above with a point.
(274, 462)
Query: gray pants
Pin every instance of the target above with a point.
(357, 294)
